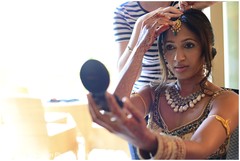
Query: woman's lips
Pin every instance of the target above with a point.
(180, 69)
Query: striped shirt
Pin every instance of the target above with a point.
(125, 17)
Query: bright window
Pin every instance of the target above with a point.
(231, 44)
(44, 44)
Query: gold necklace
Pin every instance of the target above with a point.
(179, 103)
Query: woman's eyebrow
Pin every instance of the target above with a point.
(187, 39)
(191, 39)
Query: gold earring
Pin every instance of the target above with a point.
(204, 69)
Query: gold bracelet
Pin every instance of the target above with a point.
(145, 106)
(224, 122)
(169, 147)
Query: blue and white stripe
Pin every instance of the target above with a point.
(125, 17)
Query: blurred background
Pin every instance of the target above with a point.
(43, 44)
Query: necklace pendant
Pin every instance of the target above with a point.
(175, 109)
(191, 104)
(185, 107)
(181, 109)
(170, 101)
(173, 105)
(195, 101)
(179, 103)
(199, 98)
(167, 96)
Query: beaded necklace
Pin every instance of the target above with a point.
(179, 103)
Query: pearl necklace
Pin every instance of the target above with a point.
(179, 103)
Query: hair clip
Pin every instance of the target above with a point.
(176, 27)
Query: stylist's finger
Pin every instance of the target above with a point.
(171, 12)
(161, 29)
(171, 9)
(191, 5)
(182, 5)
(158, 25)
(198, 4)
(151, 20)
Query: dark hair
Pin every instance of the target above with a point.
(197, 22)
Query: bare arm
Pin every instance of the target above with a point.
(124, 52)
(211, 134)
(152, 27)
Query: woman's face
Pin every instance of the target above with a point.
(183, 53)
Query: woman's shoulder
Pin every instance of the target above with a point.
(217, 91)
(225, 101)
(227, 93)
(144, 89)
(147, 89)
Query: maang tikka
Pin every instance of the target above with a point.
(176, 27)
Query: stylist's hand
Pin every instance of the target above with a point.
(152, 21)
(170, 12)
(128, 123)
(186, 5)
(154, 25)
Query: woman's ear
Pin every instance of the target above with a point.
(214, 52)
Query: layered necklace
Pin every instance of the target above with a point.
(179, 103)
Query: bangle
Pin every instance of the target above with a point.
(169, 147)
(144, 104)
(129, 48)
(225, 123)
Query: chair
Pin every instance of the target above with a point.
(25, 134)
(233, 151)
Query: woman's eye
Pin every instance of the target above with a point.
(169, 47)
(189, 45)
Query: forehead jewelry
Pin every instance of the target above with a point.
(176, 27)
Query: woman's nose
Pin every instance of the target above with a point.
(179, 55)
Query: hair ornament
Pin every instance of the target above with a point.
(176, 27)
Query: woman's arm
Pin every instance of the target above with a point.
(221, 122)
(212, 132)
(130, 125)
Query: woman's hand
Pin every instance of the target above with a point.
(184, 5)
(128, 123)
